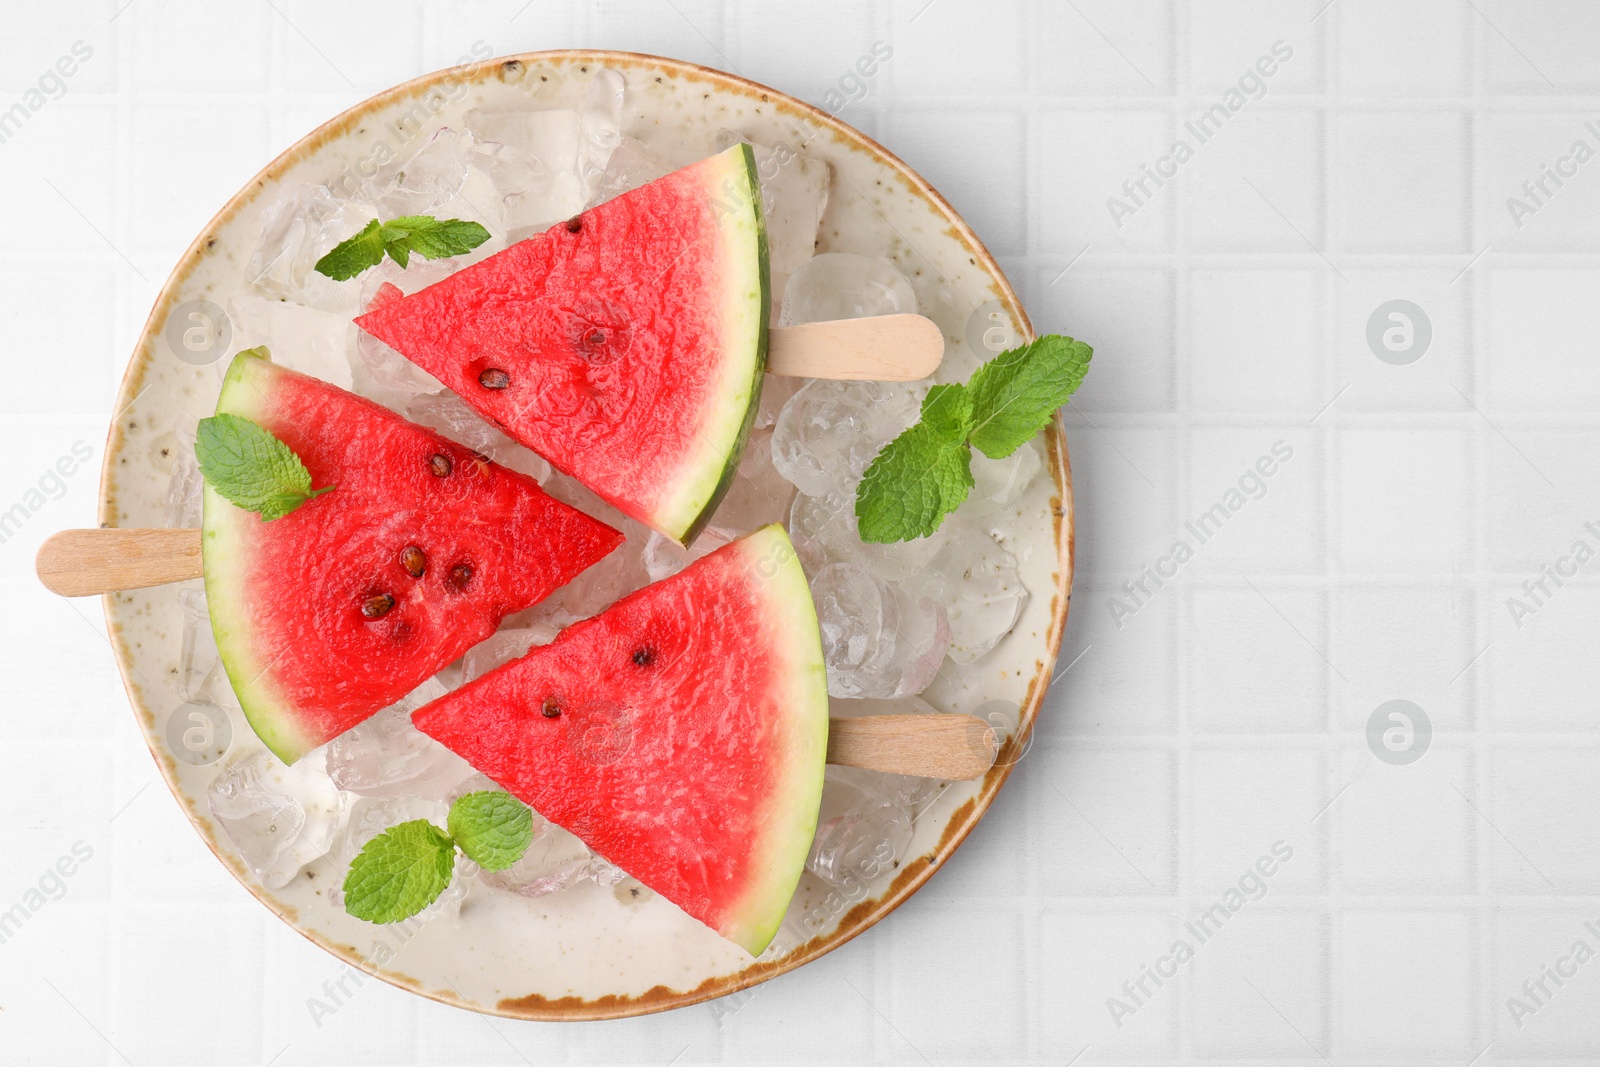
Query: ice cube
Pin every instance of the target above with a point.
(842, 285)
(824, 530)
(663, 557)
(599, 127)
(183, 504)
(877, 640)
(301, 338)
(630, 166)
(829, 431)
(278, 817)
(544, 159)
(863, 828)
(504, 646)
(448, 415)
(390, 377)
(999, 483)
(299, 227)
(618, 574)
(197, 655)
(555, 860)
(980, 586)
(426, 180)
(775, 392)
(387, 756)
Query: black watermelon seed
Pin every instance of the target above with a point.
(494, 378)
(574, 224)
(460, 575)
(551, 708)
(415, 563)
(376, 607)
(643, 657)
(439, 464)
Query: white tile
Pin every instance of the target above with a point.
(1102, 47)
(1401, 182)
(924, 1015)
(1255, 340)
(1544, 493)
(1085, 959)
(1405, 985)
(1539, 196)
(57, 985)
(686, 29)
(193, 46)
(328, 48)
(1405, 501)
(1255, 501)
(1091, 198)
(36, 373)
(67, 146)
(1116, 673)
(832, 61)
(1242, 802)
(175, 193)
(51, 809)
(1255, 184)
(978, 160)
(1407, 641)
(1123, 491)
(1420, 47)
(1126, 315)
(1404, 829)
(1540, 46)
(157, 1020)
(1538, 320)
(63, 55)
(1252, 672)
(1542, 671)
(1545, 995)
(1228, 37)
(1110, 816)
(958, 49)
(1370, 330)
(1544, 804)
(779, 1020)
(320, 1010)
(1261, 986)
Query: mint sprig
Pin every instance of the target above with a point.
(404, 869)
(925, 473)
(425, 235)
(251, 468)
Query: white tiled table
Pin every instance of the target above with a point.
(1225, 714)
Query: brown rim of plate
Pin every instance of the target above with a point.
(913, 873)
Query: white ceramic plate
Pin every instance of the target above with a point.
(590, 952)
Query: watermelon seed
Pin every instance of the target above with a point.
(494, 378)
(439, 464)
(460, 575)
(574, 224)
(415, 563)
(643, 657)
(377, 607)
(551, 708)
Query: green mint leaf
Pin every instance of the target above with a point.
(919, 478)
(251, 468)
(354, 254)
(399, 872)
(948, 410)
(425, 235)
(432, 238)
(493, 828)
(1017, 392)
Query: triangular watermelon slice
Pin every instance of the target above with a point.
(626, 346)
(681, 733)
(298, 605)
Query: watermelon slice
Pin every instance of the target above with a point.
(626, 346)
(681, 733)
(295, 602)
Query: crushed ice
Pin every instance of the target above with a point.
(892, 616)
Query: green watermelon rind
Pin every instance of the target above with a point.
(686, 512)
(245, 392)
(754, 922)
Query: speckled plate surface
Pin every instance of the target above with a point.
(591, 952)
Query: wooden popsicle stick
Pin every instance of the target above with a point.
(957, 747)
(885, 348)
(91, 562)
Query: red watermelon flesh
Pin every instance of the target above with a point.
(626, 346)
(289, 598)
(681, 733)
